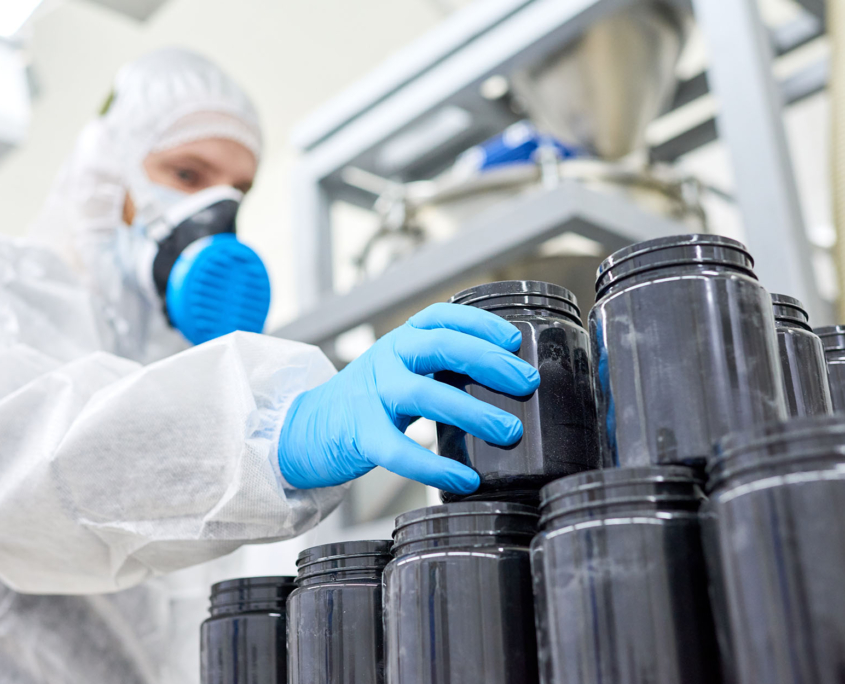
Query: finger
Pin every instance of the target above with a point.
(470, 320)
(445, 404)
(428, 351)
(402, 455)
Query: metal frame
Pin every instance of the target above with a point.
(448, 70)
(512, 229)
(505, 43)
(750, 122)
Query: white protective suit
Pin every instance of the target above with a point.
(113, 472)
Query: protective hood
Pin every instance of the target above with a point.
(163, 99)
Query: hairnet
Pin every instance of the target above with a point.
(166, 98)
(170, 97)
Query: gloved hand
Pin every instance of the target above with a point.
(345, 427)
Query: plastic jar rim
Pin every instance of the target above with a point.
(557, 298)
(829, 334)
(605, 272)
(606, 478)
(482, 539)
(463, 509)
(524, 516)
(609, 479)
(345, 549)
(722, 477)
(739, 453)
(790, 310)
(778, 432)
(626, 502)
(279, 581)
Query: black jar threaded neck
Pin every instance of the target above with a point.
(251, 595)
(678, 250)
(511, 297)
(832, 337)
(619, 491)
(778, 448)
(339, 561)
(463, 524)
(790, 312)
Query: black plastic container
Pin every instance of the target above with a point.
(335, 632)
(559, 419)
(716, 589)
(243, 642)
(778, 494)
(802, 360)
(833, 340)
(458, 603)
(620, 580)
(684, 350)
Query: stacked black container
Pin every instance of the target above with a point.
(458, 599)
(778, 497)
(805, 375)
(833, 339)
(620, 580)
(559, 436)
(686, 348)
(335, 633)
(684, 351)
(458, 602)
(243, 641)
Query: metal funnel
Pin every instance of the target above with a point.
(601, 92)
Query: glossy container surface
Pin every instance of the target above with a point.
(684, 350)
(458, 602)
(778, 495)
(559, 420)
(802, 360)
(716, 590)
(620, 580)
(833, 341)
(335, 633)
(243, 642)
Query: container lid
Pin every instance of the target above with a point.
(670, 487)
(780, 446)
(832, 336)
(466, 523)
(524, 294)
(676, 250)
(790, 311)
(251, 594)
(343, 558)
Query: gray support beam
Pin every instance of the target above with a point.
(803, 84)
(815, 7)
(312, 239)
(750, 121)
(495, 237)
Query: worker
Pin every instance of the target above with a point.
(126, 451)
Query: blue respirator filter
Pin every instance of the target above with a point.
(217, 285)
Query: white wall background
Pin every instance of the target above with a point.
(290, 55)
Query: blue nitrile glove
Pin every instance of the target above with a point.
(345, 427)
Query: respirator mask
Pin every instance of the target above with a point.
(191, 262)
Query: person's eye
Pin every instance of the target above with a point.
(188, 176)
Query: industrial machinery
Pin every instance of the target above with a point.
(589, 75)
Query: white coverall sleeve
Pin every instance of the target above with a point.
(112, 472)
